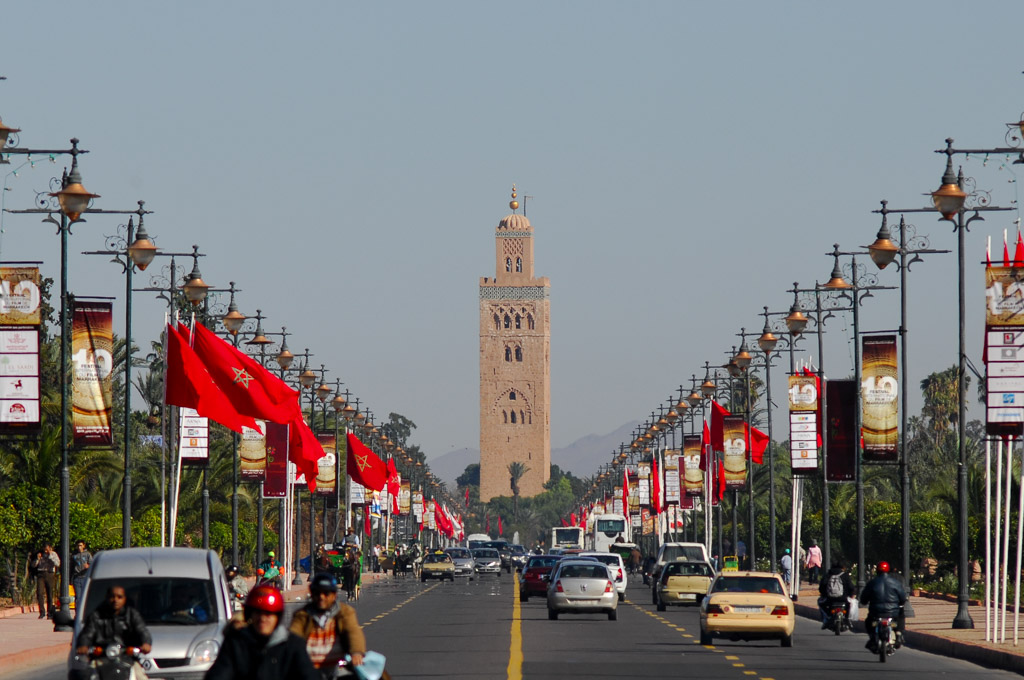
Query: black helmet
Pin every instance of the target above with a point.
(323, 582)
(231, 571)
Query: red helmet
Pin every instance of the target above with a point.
(883, 567)
(265, 598)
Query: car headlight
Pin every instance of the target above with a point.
(205, 652)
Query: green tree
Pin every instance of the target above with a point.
(516, 471)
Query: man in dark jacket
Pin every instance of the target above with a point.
(884, 595)
(80, 563)
(256, 647)
(836, 588)
(114, 622)
(330, 628)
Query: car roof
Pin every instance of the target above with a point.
(577, 560)
(154, 562)
(600, 554)
(751, 574)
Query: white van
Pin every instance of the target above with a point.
(670, 552)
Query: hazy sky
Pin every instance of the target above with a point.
(346, 164)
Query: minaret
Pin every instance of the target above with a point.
(515, 364)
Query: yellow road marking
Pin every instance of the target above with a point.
(738, 665)
(732, 658)
(515, 651)
(381, 616)
(749, 672)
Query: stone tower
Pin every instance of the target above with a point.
(515, 364)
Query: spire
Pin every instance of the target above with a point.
(513, 204)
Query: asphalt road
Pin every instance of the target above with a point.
(467, 629)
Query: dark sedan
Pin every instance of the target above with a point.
(534, 578)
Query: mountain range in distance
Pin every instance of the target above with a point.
(581, 458)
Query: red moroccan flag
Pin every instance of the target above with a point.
(1018, 251)
(467, 496)
(189, 385)
(721, 480)
(655, 485)
(304, 450)
(757, 442)
(393, 479)
(364, 466)
(253, 390)
(625, 492)
(564, 523)
(572, 519)
(501, 532)
(718, 413)
(705, 443)
(367, 522)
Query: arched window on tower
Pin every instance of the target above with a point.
(519, 264)
(512, 396)
(508, 354)
(508, 264)
(530, 416)
(508, 321)
(529, 322)
(497, 323)
(522, 418)
(519, 321)
(504, 416)
(519, 353)
(513, 417)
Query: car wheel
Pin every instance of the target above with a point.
(661, 606)
(622, 597)
(654, 597)
(613, 615)
(523, 597)
(787, 641)
(552, 615)
(705, 638)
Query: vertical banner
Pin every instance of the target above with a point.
(643, 487)
(647, 521)
(20, 300)
(671, 476)
(693, 475)
(1004, 352)
(879, 395)
(803, 424)
(617, 508)
(735, 445)
(357, 492)
(327, 467)
(404, 498)
(429, 520)
(92, 356)
(275, 484)
(417, 505)
(193, 438)
(841, 400)
(252, 453)
(634, 495)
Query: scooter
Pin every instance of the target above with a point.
(372, 668)
(887, 639)
(112, 662)
(838, 620)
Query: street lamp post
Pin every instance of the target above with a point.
(742, 360)
(261, 341)
(233, 321)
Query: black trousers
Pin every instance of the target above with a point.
(45, 586)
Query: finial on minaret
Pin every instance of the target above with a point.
(514, 204)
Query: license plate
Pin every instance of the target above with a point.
(687, 596)
(749, 610)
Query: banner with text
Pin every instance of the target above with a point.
(803, 424)
(643, 486)
(252, 453)
(327, 468)
(672, 477)
(193, 438)
(404, 498)
(19, 349)
(735, 444)
(92, 356)
(693, 475)
(879, 396)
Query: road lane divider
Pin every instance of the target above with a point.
(515, 649)
(399, 605)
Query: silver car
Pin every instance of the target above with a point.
(581, 587)
(183, 597)
(487, 561)
(463, 560)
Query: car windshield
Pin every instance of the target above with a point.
(671, 553)
(688, 569)
(497, 545)
(432, 559)
(611, 527)
(459, 552)
(518, 550)
(163, 601)
(747, 584)
(542, 561)
(583, 571)
(485, 553)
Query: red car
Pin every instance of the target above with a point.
(534, 577)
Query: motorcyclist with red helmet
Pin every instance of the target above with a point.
(257, 647)
(884, 596)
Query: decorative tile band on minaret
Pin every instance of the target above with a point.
(515, 364)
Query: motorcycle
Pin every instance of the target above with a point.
(112, 662)
(838, 620)
(886, 639)
(372, 668)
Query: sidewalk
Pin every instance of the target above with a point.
(930, 630)
(30, 641)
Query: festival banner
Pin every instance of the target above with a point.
(803, 424)
(735, 444)
(193, 438)
(19, 350)
(841, 402)
(634, 496)
(252, 453)
(327, 467)
(356, 492)
(647, 521)
(693, 476)
(275, 483)
(1004, 296)
(617, 508)
(417, 505)
(405, 499)
(671, 476)
(643, 487)
(879, 396)
(92, 356)
(429, 521)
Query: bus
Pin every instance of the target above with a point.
(607, 528)
(567, 537)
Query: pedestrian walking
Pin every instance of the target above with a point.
(80, 563)
(813, 562)
(45, 567)
(786, 563)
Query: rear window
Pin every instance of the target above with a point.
(437, 558)
(486, 552)
(610, 560)
(583, 571)
(747, 584)
(687, 569)
(544, 561)
(670, 553)
(164, 601)
(459, 552)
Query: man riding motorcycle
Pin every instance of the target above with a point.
(885, 597)
(115, 623)
(330, 628)
(836, 589)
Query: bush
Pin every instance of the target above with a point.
(931, 535)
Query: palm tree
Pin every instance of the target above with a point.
(515, 473)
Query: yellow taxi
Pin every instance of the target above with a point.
(683, 582)
(437, 565)
(747, 605)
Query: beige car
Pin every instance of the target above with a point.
(683, 583)
(747, 605)
(437, 565)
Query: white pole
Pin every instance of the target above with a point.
(1006, 531)
(792, 523)
(177, 487)
(988, 540)
(1020, 537)
(997, 546)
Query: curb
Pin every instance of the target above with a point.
(34, 657)
(936, 644)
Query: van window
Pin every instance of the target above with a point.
(687, 552)
(163, 601)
